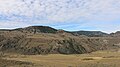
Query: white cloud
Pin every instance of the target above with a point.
(58, 11)
(12, 25)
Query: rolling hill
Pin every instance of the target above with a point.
(46, 40)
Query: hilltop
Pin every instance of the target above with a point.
(37, 29)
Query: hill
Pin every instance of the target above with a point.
(116, 34)
(47, 40)
(37, 29)
(90, 33)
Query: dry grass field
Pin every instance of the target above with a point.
(108, 58)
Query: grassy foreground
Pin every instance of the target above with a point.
(96, 59)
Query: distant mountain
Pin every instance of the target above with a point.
(47, 29)
(5, 30)
(37, 29)
(90, 33)
(115, 34)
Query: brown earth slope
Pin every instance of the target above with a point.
(46, 40)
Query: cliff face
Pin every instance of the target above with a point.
(19, 41)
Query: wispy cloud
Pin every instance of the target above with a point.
(53, 12)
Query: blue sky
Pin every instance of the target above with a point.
(72, 15)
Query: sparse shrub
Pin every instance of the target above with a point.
(109, 57)
(88, 59)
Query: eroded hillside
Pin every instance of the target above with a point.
(19, 41)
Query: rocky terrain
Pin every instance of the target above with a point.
(46, 40)
(90, 33)
(116, 34)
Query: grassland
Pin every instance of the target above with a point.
(108, 58)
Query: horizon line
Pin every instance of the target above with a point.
(56, 28)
